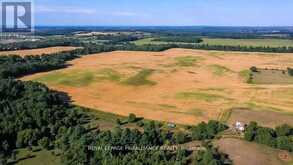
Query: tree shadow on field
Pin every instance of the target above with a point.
(63, 97)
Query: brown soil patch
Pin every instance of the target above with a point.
(244, 153)
(182, 94)
(41, 51)
(263, 117)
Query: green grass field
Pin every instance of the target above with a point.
(74, 78)
(248, 42)
(42, 157)
(229, 42)
(80, 78)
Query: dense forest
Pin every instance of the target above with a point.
(32, 115)
(35, 44)
(280, 137)
(15, 66)
(130, 146)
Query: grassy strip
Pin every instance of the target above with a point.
(219, 70)
(109, 74)
(140, 78)
(74, 78)
(225, 115)
(186, 61)
(200, 96)
(245, 75)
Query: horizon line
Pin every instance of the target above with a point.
(164, 26)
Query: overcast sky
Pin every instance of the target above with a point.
(164, 12)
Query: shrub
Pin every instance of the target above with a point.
(140, 123)
(284, 130)
(179, 138)
(290, 71)
(118, 121)
(44, 143)
(207, 130)
(131, 118)
(250, 132)
(254, 69)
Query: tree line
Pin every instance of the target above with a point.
(131, 146)
(238, 48)
(16, 66)
(280, 137)
(122, 42)
(35, 44)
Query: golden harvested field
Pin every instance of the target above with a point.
(178, 85)
(41, 51)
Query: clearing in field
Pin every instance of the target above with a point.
(271, 76)
(41, 51)
(178, 85)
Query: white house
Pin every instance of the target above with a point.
(240, 126)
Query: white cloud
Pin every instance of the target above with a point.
(65, 9)
(88, 11)
(121, 13)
